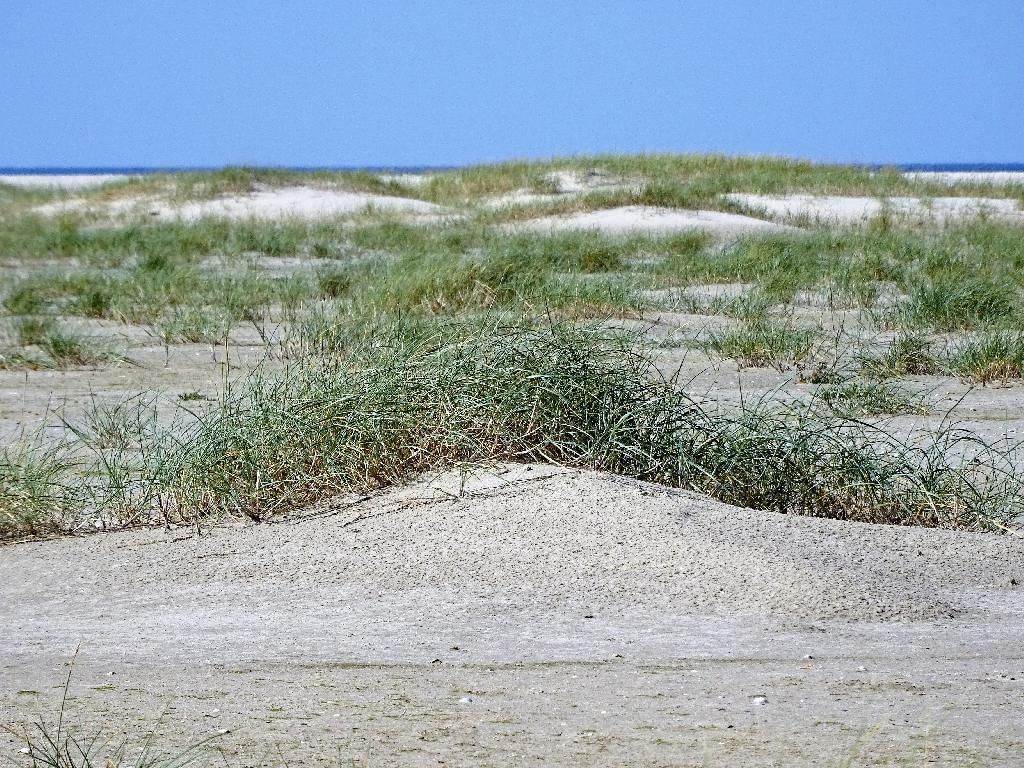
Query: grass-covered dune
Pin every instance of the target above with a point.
(386, 352)
(704, 174)
(376, 409)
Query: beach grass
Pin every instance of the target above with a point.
(370, 409)
(384, 303)
(990, 357)
(765, 343)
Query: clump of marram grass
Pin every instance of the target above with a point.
(857, 399)
(988, 357)
(764, 343)
(374, 406)
(907, 355)
(958, 303)
(37, 490)
(188, 303)
(35, 342)
(408, 402)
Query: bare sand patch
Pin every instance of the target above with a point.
(299, 202)
(60, 181)
(521, 197)
(642, 218)
(968, 177)
(586, 539)
(492, 610)
(854, 210)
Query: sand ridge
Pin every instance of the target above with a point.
(527, 611)
(67, 181)
(301, 202)
(549, 538)
(853, 210)
(644, 218)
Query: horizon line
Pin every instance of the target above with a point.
(96, 170)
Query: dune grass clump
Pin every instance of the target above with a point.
(857, 399)
(37, 493)
(765, 343)
(958, 303)
(429, 397)
(908, 354)
(370, 407)
(500, 273)
(186, 303)
(993, 356)
(34, 342)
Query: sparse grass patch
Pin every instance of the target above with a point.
(57, 744)
(765, 344)
(426, 398)
(62, 345)
(151, 293)
(994, 356)
(334, 283)
(857, 399)
(531, 271)
(960, 303)
(34, 494)
(193, 325)
(906, 355)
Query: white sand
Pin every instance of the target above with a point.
(968, 177)
(282, 203)
(853, 210)
(408, 179)
(510, 609)
(581, 538)
(521, 197)
(297, 202)
(642, 218)
(66, 181)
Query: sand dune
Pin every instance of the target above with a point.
(968, 177)
(640, 218)
(62, 181)
(297, 202)
(285, 202)
(564, 600)
(583, 539)
(853, 210)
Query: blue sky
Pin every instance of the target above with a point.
(389, 82)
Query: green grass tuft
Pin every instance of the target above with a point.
(871, 398)
(765, 344)
(994, 356)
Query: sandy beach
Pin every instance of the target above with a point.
(619, 602)
(255, 358)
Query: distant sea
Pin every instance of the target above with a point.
(140, 169)
(137, 170)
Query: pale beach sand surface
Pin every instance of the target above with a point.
(60, 181)
(525, 602)
(851, 210)
(641, 218)
(282, 203)
(958, 177)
